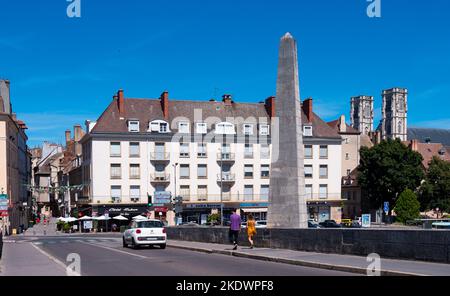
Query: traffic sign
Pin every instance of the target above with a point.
(386, 207)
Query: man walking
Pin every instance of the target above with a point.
(235, 228)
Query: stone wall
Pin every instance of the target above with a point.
(426, 245)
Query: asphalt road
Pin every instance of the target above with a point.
(105, 256)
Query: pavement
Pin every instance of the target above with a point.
(346, 263)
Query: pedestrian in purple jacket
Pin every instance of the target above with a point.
(235, 228)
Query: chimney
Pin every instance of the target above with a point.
(415, 145)
(165, 104)
(308, 109)
(342, 124)
(121, 102)
(270, 106)
(67, 137)
(78, 133)
(227, 99)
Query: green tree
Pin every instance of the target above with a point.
(435, 191)
(407, 206)
(386, 170)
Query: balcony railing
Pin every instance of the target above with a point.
(225, 156)
(160, 178)
(159, 156)
(226, 177)
(226, 196)
(323, 196)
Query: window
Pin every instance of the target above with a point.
(133, 126)
(202, 171)
(202, 193)
(159, 126)
(135, 172)
(307, 131)
(265, 171)
(185, 192)
(323, 171)
(184, 171)
(324, 151)
(201, 152)
(348, 172)
(160, 151)
(248, 151)
(264, 129)
(135, 193)
(248, 192)
(183, 127)
(308, 171)
(347, 156)
(264, 193)
(115, 149)
(265, 151)
(346, 140)
(308, 191)
(116, 171)
(116, 194)
(323, 191)
(247, 129)
(134, 149)
(248, 171)
(184, 150)
(202, 128)
(308, 151)
(225, 128)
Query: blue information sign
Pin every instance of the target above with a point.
(386, 207)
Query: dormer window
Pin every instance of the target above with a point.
(307, 131)
(133, 126)
(202, 128)
(225, 128)
(247, 129)
(159, 126)
(183, 127)
(264, 129)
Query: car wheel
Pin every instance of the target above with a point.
(133, 244)
(162, 246)
(124, 243)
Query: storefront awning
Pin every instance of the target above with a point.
(261, 210)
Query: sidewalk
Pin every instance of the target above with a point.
(23, 259)
(347, 263)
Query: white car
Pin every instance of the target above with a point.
(145, 233)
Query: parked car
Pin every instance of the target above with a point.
(313, 225)
(261, 224)
(145, 233)
(346, 222)
(330, 224)
(355, 224)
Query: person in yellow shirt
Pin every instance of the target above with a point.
(251, 229)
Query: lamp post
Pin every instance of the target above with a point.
(175, 185)
(221, 187)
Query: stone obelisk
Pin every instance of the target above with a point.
(287, 207)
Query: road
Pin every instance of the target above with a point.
(105, 256)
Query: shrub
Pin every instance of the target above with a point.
(407, 206)
(66, 227)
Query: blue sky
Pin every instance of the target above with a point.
(63, 70)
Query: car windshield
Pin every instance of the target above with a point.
(150, 224)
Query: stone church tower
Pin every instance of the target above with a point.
(395, 114)
(5, 103)
(361, 115)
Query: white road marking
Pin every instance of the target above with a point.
(57, 261)
(115, 250)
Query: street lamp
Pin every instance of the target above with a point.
(175, 185)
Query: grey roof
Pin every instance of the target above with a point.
(434, 135)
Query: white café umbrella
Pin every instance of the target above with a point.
(85, 218)
(69, 220)
(121, 218)
(140, 217)
(101, 218)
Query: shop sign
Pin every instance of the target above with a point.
(202, 206)
(254, 205)
(161, 209)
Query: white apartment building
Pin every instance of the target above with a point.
(211, 153)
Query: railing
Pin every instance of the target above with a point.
(226, 177)
(225, 156)
(327, 196)
(159, 156)
(160, 177)
(215, 198)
